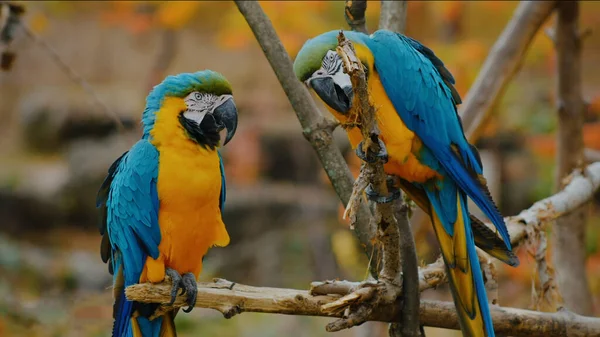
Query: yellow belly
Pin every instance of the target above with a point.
(189, 188)
(401, 143)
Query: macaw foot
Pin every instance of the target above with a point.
(358, 301)
(394, 193)
(371, 157)
(187, 284)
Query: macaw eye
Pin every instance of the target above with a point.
(198, 96)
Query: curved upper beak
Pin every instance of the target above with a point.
(226, 117)
(332, 94)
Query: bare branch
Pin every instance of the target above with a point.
(580, 188)
(503, 61)
(369, 296)
(409, 325)
(232, 298)
(354, 12)
(316, 128)
(393, 15)
(569, 231)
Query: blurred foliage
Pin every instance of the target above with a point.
(63, 298)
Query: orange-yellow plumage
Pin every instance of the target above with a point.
(189, 184)
(401, 143)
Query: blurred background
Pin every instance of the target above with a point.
(56, 144)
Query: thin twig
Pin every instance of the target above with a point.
(569, 232)
(502, 63)
(393, 15)
(316, 128)
(73, 75)
(234, 298)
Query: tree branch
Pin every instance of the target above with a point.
(232, 298)
(369, 296)
(393, 15)
(569, 231)
(502, 63)
(354, 12)
(316, 129)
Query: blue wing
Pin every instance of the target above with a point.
(418, 86)
(128, 200)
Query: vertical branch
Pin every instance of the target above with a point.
(569, 231)
(354, 12)
(393, 15)
(316, 129)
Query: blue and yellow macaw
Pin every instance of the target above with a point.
(426, 148)
(162, 200)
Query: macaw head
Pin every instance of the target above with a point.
(320, 67)
(201, 103)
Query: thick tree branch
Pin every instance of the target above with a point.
(503, 61)
(232, 298)
(393, 15)
(316, 129)
(569, 231)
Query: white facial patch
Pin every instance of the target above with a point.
(198, 105)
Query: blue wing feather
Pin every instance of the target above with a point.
(431, 116)
(131, 220)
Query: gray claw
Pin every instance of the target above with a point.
(176, 283)
(191, 289)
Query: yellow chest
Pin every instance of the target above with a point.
(189, 188)
(401, 143)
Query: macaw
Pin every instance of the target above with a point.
(162, 200)
(424, 146)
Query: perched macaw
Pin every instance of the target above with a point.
(426, 148)
(162, 200)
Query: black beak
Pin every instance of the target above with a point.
(226, 117)
(339, 99)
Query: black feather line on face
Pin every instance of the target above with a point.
(206, 134)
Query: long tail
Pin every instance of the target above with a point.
(464, 272)
(131, 318)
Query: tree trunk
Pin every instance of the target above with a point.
(569, 231)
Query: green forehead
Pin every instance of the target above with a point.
(181, 85)
(310, 57)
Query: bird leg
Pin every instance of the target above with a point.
(371, 157)
(187, 284)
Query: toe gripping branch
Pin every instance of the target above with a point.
(372, 158)
(187, 284)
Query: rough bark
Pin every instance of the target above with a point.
(502, 63)
(569, 231)
(232, 298)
